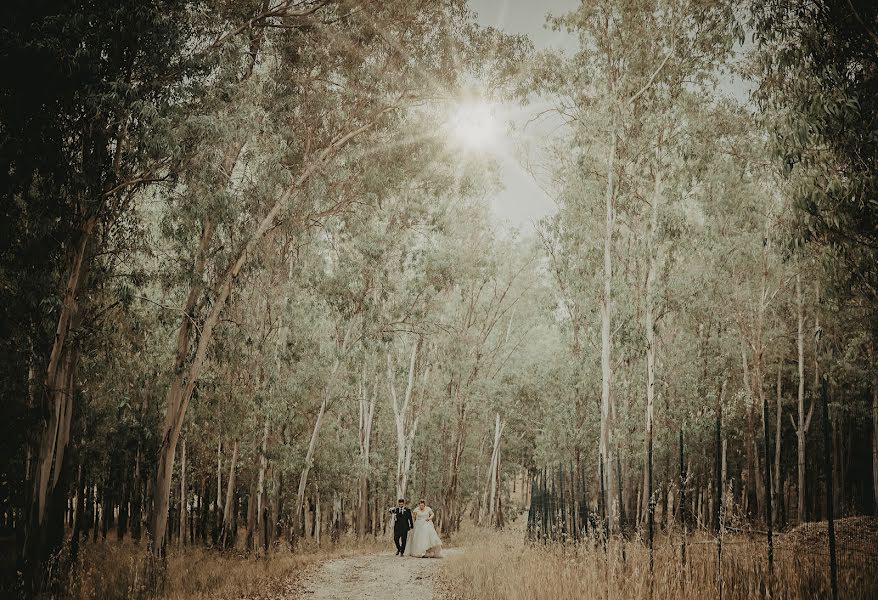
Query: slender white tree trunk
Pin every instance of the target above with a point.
(604, 449)
(187, 369)
(649, 326)
(405, 418)
(328, 390)
(260, 486)
(494, 474)
(804, 420)
(366, 413)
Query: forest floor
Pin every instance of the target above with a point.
(382, 576)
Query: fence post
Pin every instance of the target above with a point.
(768, 511)
(827, 462)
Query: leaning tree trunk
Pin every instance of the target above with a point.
(187, 370)
(405, 419)
(309, 460)
(366, 405)
(227, 536)
(41, 536)
(312, 444)
(494, 472)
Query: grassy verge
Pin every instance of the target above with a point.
(503, 567)
(111, 570)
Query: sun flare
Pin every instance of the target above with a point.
(474, 125)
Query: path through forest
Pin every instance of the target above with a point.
(374, 577)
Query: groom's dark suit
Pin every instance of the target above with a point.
(401, 525)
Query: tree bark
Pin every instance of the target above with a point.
(494, 471)
(187, 370)
(366, 405)
(406, 420)
(778, 423)
(227, 536)
(604, 449)
(875, 445)
(260, 487)
(41, 536)
(804, 421)
(649, 326)
(182, 538)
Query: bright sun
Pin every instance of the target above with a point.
(474, 125)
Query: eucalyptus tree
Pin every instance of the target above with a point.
(814, 66)
(299, 111)
(78, 144)
(619, 92)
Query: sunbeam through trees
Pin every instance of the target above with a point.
(581, 295)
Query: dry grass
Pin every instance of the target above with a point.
(502, 567)
(110, 571)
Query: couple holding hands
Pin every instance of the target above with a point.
(413, 531)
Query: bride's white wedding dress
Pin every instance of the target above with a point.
(423, 540)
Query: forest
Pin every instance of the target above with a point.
(255, 287)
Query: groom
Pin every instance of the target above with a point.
(401, 524)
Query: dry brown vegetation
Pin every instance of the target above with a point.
(501, 567)
(112, 570)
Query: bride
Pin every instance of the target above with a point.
(423, 540)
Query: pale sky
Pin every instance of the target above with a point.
(521, 203)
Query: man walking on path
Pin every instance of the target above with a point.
(402, 523)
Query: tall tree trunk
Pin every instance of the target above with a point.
(260, 487)
(366, 404)
(182, 538)
(649, 326)
(406, 419)
(227, 536)
(875, 445)
(309, 460)
(188, 369)
(604, 449)
(312, 444)
(752, 483)
(804, 421)
(778, 422)
(218, 500)
(42, 536)
(494, 471)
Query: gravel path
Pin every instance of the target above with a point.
(373, 577)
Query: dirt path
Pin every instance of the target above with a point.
(373, 577)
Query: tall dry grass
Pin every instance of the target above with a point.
(116, 571)
(503, 567)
